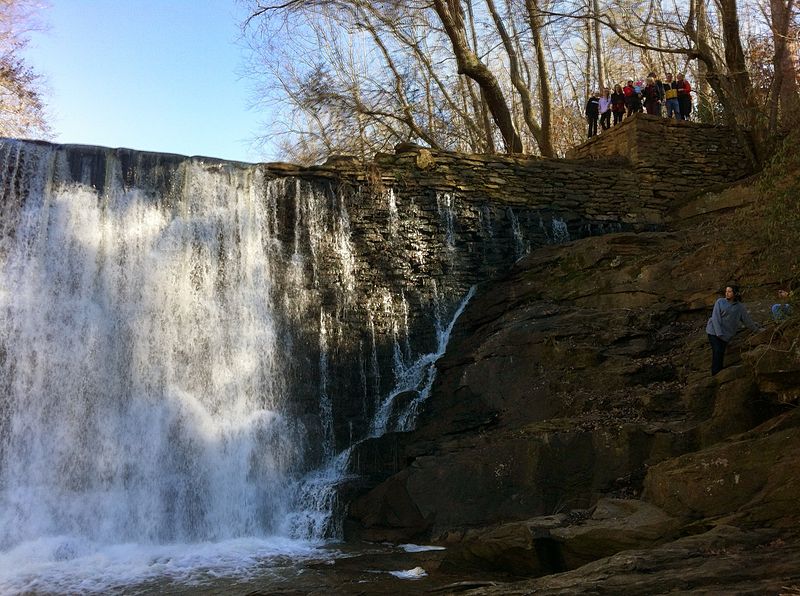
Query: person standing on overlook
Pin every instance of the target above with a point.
(652, 102)
(684, 96)
(593, 113)
(728, 314)
(605, 109)
(633, 101)
(618, 103)
(671, 97)
(660, 90)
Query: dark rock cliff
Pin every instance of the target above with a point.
(574, 417)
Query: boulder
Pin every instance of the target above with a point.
(556, 543)
(751, 478)
(615, 525)
(723, 560)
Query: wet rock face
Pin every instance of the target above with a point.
(361, 269)
(577, 377)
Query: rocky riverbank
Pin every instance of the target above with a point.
(574, 434)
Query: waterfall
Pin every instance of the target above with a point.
(180, 339)
(521, 247)
(560, 231)
(318, 511)
(144, 398)
(414, 379)
(445, 203)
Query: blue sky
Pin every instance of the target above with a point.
(156, 75)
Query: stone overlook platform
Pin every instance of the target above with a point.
(630, 175)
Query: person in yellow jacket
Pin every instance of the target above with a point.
(671, 97)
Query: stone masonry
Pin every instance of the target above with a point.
(673, 160)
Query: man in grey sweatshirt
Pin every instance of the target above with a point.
(728, 314)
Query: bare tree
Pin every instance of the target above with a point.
(451, 14)
(545, 93)
(727, 72)
(22, 109)
(520, 84)
(784, 92)
(473, 75)
(598, 47)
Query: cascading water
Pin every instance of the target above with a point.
(560, 231)
(521, 247)
(143, 396)
(170, 339)
(417, 377)
(318, 513)
(445, 203)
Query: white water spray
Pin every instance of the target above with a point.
(144, 390)
(521, 246)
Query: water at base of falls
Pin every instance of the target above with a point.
(74, 565)
(146, 434)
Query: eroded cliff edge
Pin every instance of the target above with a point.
(574, 434)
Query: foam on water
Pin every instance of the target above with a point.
(416, 573)
(62, 564)
(420, 548)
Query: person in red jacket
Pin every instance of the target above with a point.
(633, 98)
(618, 103)
(684, 96)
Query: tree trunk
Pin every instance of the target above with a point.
(469, 64)
(703, 89)
(480, 98)
(598, 47)
(545, 93)
(516, 78)
(588, 68)
(784, 98)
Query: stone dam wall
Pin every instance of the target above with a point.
(370, 260)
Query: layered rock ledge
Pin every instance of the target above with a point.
(574, 433)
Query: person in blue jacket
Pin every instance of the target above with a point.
(783, 309)
(728, 315)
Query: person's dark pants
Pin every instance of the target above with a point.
(686, 107)
(592, 125)
(618, 117)
(717, 353)
(605, 119)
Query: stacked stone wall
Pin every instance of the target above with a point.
(671, 159)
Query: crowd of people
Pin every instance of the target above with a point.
(670, 97)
